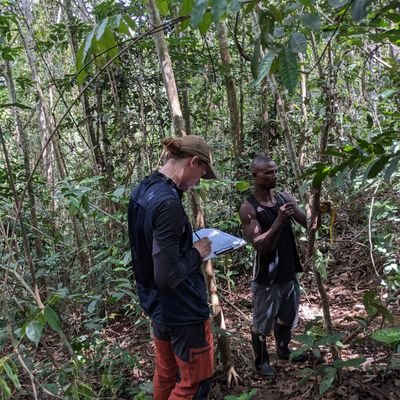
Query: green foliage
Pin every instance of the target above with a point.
(288, 69)
(388, 335)
(8, 377)
(374, 306)
(202, 16)
(312, 340)
(243, 396)
(112, 139)
(101, 45)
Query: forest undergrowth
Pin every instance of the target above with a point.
(114, 355)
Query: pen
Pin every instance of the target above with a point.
(198, 237)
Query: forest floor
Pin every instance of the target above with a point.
(377, 378)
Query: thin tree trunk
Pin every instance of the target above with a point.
(234, 113)
(265, 128)
(45, 121)
(95, 149)
(167, 72)
(26, 156)
(329, 100)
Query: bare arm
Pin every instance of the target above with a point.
(268, 240)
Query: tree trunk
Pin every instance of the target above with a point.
(234, 113)
(26, 156)
(95, 149)
(167, 72)
(44, 119)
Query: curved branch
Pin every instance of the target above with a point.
(238, 45)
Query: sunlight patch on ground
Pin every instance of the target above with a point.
(309, 312)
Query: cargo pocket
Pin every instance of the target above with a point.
(201, 362)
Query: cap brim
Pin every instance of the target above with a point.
(211, 174)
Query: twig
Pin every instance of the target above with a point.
(371, 245)
(235, 307)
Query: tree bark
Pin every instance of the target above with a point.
(26, 156)
(234, 113)
(167, 72)
(45, 120)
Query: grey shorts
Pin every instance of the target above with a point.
(275, 302)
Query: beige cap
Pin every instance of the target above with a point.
(196, 146)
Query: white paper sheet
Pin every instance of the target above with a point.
(222, 242)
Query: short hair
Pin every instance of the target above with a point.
(258, 160)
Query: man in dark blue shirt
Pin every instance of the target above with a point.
(169, 280)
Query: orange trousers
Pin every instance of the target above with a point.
(182, 370)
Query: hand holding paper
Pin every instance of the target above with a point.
(221, 242)
(203, 246)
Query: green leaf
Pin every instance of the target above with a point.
(85, 203)
(307, 340)
(295, 353)
(391, 169)
(376, 166)
(79, 66)
(320, 175)
(242, 186)
(92, 305)
(288, 69)
(34, 331)
(198, 10)
(52, 319)
(328, 376)
(129, 21)
(108, 43)
(101, 28)
(4, 389)
(335, 153)
(387, 335)
(163, 7)
(264, 67)
(16, 104)
(267, 26)
(234, 6)
(374, 306)
(275, 12)
(205, 23)
(298, 43)
(12, 375)
(88, 45)
(329, 339)
(387, 94)
(85, 391)
(359, 9)
(218, 9)
(186, 7)
(354, 362)
(311, 21)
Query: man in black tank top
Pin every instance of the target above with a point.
(267, 218)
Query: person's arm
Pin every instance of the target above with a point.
(299, 215)
(267, 241)
(170, 266)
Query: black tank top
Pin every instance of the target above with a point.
(281, 264)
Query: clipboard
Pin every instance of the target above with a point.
(221, 242)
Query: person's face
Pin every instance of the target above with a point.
(195, 170)
(266, 175)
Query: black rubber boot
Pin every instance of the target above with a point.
(283, 336)
(203, 390)
(261, 356)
